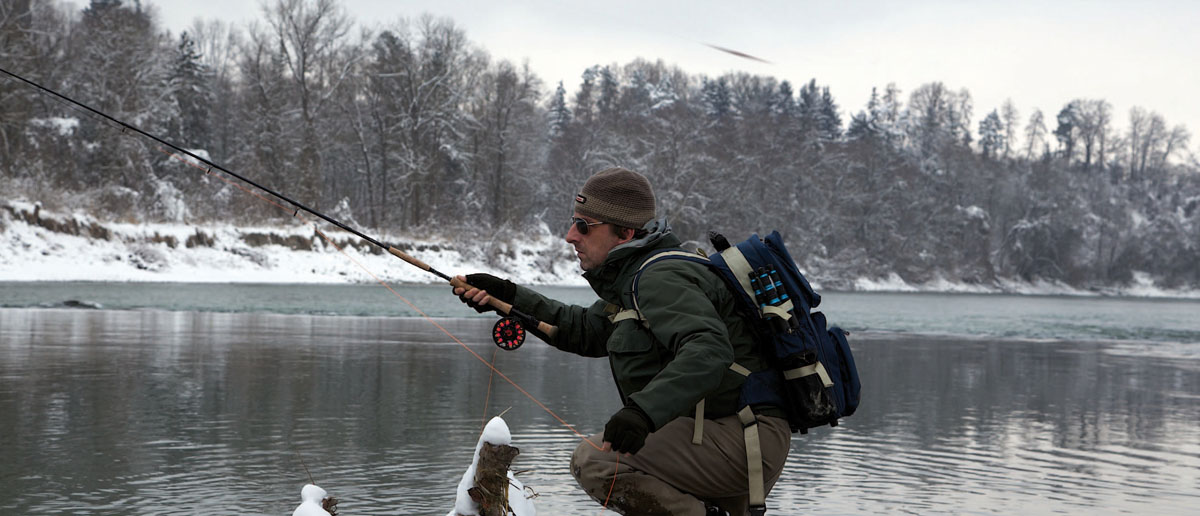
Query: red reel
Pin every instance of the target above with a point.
(508, 334)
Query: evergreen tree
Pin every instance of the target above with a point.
(829, 123)
(585, 101)
(1067, 130)
(559, 113)
(865, 123)
(992, 140)
(635, 97)
(192, 89)
(606, 103)
(718, 100)
(809, 106)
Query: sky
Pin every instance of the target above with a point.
(1040, 54)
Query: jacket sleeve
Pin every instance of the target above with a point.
(672, 296)
(581, 330)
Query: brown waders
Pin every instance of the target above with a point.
(672, 476)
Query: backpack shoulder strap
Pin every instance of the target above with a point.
(636, 311)
(740, 267)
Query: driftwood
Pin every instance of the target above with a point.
(491, 479)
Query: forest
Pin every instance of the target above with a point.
(411, 127)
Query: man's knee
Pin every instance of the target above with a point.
(589, 469)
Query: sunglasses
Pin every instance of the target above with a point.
(582, 225)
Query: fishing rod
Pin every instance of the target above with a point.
(509, 331)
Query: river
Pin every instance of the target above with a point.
(130, 398)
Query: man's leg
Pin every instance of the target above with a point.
(669, 473)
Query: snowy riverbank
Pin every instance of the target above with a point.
(40, 246)
(36, 245)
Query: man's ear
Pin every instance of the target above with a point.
(626, 234)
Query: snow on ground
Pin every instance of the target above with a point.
(159, 252)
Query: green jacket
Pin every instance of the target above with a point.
(684, 356)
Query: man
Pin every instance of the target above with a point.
(667, 357)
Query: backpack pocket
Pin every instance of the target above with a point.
(850, 385)
(807, 383)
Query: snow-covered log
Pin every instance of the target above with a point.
(488, 487)
(314, 501)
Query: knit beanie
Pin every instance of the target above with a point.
(618, 196)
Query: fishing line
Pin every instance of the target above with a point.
(303, 465)
(488, 398)
(410, 304)
(196, 162)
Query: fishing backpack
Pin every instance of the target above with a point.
(813, 377)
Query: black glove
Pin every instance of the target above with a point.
(498, 288)
(627, 429)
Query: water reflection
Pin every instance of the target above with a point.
(181, 413)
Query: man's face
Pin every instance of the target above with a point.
(593, 247)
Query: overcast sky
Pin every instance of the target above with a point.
(1041, 54)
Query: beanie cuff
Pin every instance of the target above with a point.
(604, 212)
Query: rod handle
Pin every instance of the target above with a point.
(409, 258)
(504, 308)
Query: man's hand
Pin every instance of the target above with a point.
(626, 430)
(485, 286)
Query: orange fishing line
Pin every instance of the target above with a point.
(393, 291)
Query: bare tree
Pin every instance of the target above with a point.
(217, 43)
(310, 35)
(1090, 119)
(1010, 117)
(1175, 141)
(1103, 111)
(505, 110)
(1139, 123)
(1035, 133)
(1151, 133)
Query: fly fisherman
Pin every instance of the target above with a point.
(671, 360)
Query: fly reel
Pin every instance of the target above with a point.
(508, 333)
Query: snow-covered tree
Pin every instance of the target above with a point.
(191, 85)
(559, 113)
(1010, 117)
(1035, 134)
(992, 139)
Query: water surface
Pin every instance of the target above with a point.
(143, 411)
